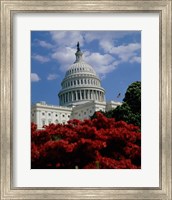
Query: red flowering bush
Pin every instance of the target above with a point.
(100, 143)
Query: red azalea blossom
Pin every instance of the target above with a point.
(101, 143)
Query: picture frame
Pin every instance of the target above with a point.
(8, 10)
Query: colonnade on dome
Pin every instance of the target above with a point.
(80, 95)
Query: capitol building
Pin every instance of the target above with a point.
(80, 96)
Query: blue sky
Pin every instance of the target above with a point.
(115, 56)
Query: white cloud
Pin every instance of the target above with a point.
(135, 59)
(65, 57)
(104, 35)
(102, 63)
(98, 59)
(126, 53)
(39, 58)
(35, 77)
(52, 77)
(44, 44)
(106, 45)
(67, 38)
(125, 48)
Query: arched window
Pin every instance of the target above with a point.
(43, 122)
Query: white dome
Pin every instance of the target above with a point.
(81, 84)
(80, 67)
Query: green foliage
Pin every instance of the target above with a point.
(133, 97)
(130, 110)
(125, 113)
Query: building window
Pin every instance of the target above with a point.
(49, 114)
(78, 96)
(85, 113)
(43, 122)
(63, 115)
(32, 114)
(90, 111)
(49, 121)
(74, 96)
(82, 94)
(43, 113)
(68, 116)
(56, 121)
(56, 115)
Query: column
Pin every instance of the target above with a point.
(94, 94)
(69, 97)
(80, 95)
(91, 94)
(63, 99)
(84, 94)
(76, 93)
(103, 96)
(72, 95)
(98, 95)
(66, 97)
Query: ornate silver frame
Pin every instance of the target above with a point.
(8, 9)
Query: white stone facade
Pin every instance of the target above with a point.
(43, 114)
(81, 95)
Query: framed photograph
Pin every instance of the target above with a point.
(86, 100)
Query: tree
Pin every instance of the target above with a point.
(133, 97)
(130, 110)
